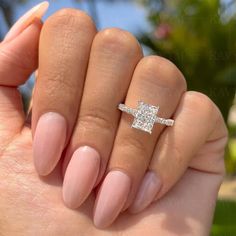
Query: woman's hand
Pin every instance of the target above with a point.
(83, 76)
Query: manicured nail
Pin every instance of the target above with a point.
(36, 12)
(49, 142)
(81, 175)
(111, 198)
(146, 193)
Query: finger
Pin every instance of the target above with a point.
(156, 81)
(113, 58)
(18, 59)
(36, 12)
(187, 209)
(64, 50)
(19, 50)
(198, 126)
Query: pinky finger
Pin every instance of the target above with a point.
(197, 140)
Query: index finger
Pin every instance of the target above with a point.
(63, 57)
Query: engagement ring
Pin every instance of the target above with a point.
(145, 116)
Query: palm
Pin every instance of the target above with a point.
(31, 205)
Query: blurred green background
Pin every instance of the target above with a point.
(199, 36)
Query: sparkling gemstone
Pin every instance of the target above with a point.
(145, 117)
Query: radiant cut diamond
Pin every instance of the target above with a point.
(145, 117)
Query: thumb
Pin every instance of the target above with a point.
(18, 59)
(19, 50)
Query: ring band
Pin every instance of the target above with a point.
(145, 116)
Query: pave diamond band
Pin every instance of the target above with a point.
(124, 108)
(167, 122)
(145, 116)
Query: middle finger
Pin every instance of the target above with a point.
(113, 58)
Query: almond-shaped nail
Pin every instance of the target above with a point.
(36, 12)
(49, 141)
(81, 175)
(111, 198)
(148, 189)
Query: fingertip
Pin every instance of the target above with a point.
(48, 142)
(36, 12)
(147, 192)
(111, 198)
(80, 176)
(19, 57)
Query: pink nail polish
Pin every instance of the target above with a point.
(81, 175)
(146, 193)
(111, 198)
(36, 12)
(49, 141)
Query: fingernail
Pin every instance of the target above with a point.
(111, 198)
(81, 175)
(36, 12)
(49, 142)
(146, 193)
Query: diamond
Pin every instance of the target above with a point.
(145, 117)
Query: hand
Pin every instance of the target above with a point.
(192, 198)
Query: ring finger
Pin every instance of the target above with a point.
(156, 81)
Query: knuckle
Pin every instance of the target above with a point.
(167, 147)
(199, 101)
(176, 151)
(118, 41)
(96, 120)
(68, 18)
(134, 145)
(168, 74)
(58, 82)
(23, 61)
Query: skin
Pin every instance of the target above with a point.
(32, 205)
